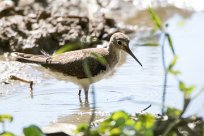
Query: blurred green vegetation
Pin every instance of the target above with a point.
(84, 42)
(31, 130)
(120, 123)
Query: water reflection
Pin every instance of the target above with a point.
(81, 114)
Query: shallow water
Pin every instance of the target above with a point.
(131, 88)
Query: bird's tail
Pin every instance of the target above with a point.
(29, 58)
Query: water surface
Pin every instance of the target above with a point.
(131, 88)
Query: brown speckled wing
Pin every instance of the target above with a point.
(71, 63)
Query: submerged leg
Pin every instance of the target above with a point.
(80, 101)
(86, 92)
(79, 93)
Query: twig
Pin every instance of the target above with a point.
(165, 75)
(146, 108)
(12, 77)
(141, 112)
(170, 127)
(186, 103)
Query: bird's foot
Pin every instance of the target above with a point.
(12, 77)
(48, 60)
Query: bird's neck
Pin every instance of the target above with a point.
(114, 54)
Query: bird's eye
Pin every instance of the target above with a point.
(119, 42)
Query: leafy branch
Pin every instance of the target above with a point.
(173, 114)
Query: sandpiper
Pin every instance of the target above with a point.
(71, 63)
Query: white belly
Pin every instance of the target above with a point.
(85, 82)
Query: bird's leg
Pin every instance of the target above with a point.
(80, 100)
(79, 93)
(86, 92)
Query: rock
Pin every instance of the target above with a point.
(32, 26)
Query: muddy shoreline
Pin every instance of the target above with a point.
(32, 27)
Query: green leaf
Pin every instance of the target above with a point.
(119, 119)
(6, 117)
(186, 90)
(99, 58)
(94, 133)
(170, 43)
(120, 114)
(182, 86)
(81, 128)
(173, 112)
(172, 64)
(155, 18)
(68, 47)
(7, 134)
(150, 44)
(129, 122)
(115, 132)
(172, 133)
(104, 126)
(120, 122)
(145, 124)
(147, 120)
(33, 130)
(174, 72)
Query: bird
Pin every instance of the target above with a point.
(71, 63)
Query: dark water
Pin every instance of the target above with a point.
(131, 88)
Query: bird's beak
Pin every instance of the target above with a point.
(127, 49)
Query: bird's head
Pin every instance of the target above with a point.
(121, 41)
